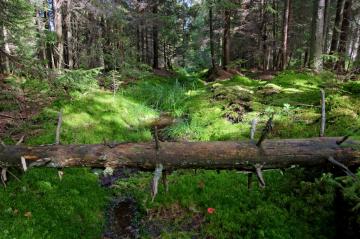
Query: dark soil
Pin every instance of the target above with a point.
(121, 219)
(170, 219)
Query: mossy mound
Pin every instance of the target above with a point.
(232, 93)
(270, 89)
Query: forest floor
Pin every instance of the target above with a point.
(295, 204)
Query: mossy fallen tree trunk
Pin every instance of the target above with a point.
(243, 155)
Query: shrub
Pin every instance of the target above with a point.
(77, 80)
(352, 86)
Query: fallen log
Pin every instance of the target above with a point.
(243, 155)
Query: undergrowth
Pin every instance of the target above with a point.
(292, 205)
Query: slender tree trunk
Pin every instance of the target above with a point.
(306, 57)
(138, 43)
(2, 56)
(286, 20)
(337, 26)
(352, 45)
(212, 50)
(49, 47)
(358, 49)
(318, 37)
(58, 19)
(109, 62)
(6, 49)
(326, 25)
(263, 37)
(357, 59)
(69, 35)
(164, 52)
(345, 31)
(274, 29)
(142, 37)
(146, 45)
(226, 39)
(155, 38)
(41, 37)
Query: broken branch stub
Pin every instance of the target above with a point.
(266, 131)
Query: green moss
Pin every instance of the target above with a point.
(42, 206)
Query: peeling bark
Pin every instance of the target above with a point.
(244, 155)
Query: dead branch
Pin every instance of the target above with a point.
(323, 114)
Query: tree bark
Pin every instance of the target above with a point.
(337, 26)
(245, 155)
(212, 49)
(226, 39)
(326, 25)
(138, 40)
(6, 49)
(274, 33)
(318, 36)
(59, 33)
(345, 30)
(357, 59)
(40, 23)
(49, 47)
(142, 37)
(285, 34)
(146, 42)
(69, 35)
(155, 37)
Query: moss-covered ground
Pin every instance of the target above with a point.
(295, 203)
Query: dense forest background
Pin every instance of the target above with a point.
(114, 35)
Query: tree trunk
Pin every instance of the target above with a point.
(49, 47)
(155, 38)
(285, 34)
(318, 37)
(226, 40)
(337, 26)
(146, 45)
(212, 49)
(345, 30)
(326, 25)
(40, 23)
(109, 62)
(164, 52)
(357, 59)
(263, 37)
(274, 33)
(69, 35)
(142, 37)
(6, 49)
(58, 19)
(138, 46)
(245, 155)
